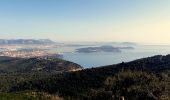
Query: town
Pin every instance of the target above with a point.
(27, 51)
(29, 54)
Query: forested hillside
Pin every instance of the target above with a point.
(35, 65)
(143, 79)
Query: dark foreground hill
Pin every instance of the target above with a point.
(143, 79)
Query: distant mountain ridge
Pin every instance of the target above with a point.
(25, 41)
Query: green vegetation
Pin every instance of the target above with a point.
(143, 79)
(28, 96)
(137, 85)
(33, 65)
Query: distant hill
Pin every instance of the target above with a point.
(25, 41)
(98, 49)
(121, 43)
(157, 64)
(104, 48)
(33, 65)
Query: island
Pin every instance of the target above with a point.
(101, 49)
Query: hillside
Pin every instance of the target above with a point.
(33, 65)
(143, 79)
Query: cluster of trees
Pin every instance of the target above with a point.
(130, 85)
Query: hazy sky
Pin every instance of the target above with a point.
(86, 20)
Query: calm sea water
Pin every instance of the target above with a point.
(88, 60)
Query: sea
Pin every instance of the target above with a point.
(97, 59)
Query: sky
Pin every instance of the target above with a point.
(142, 21)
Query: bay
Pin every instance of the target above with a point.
(89, 60)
